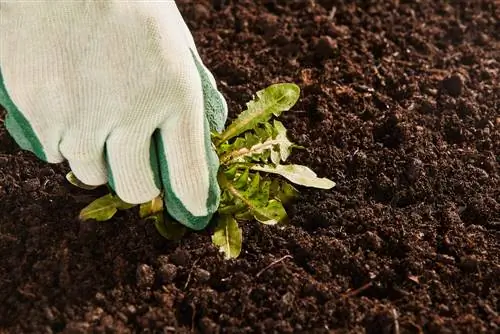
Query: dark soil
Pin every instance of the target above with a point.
(400, 106)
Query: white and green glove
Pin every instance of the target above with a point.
(117, 89)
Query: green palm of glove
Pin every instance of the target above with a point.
(164, 144)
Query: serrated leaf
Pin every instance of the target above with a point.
(168, 228)
(77, 183)
(228, 236)
(271, 214)
(251, 139)
(270, 101)
(262, 196)
(284, 145)
(254, 186)
(273, 144)
(298, 174)
(242, 180)
(101, 209)
(231, 172)
(150, 208)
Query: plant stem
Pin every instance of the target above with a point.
(225, 183)
(228, 157)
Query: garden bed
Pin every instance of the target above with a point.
(400, 107)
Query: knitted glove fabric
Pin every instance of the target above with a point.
(117, 89)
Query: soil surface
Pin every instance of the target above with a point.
(400, 106)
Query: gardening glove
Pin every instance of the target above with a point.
(117, 89)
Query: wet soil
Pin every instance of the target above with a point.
(400, 106)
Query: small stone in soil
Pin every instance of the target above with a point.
(167, 272)
(208, 326)
(201, 13)
(145, 276)
(373, 240)
(31, 185)
(202, 275)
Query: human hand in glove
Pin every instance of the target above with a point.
(117, 89)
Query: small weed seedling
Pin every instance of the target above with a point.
(254, 181)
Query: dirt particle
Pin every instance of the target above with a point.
(77, 328)
(94, 315)
(145, 276)
(49, 314)
(414, 169)
(453, 85)
(451, 216)
(201, 12)
(122, 317)
(326, 47)
(131, 309)
(444, 258)
(288, 298)
(268, 24)
(107, 321)
(31, 185)
(373, 240)
(180, 257)
(202, 275)
(341, 31)
(100, 297)
(208, 326)
(469, 263)
(167, 272)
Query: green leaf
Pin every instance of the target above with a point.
(287, 193)
(77, 183)
(244, 215)
(150, 208)
(228, 237)
(264, 210)
(270, 101)
(272, 143)
(231, 172)
(167, 227)
(297, 174)
(262, 196)
(101, 209)
(242, 180)
(254, 186)
(271, 214)
(232, 209)
(284, 145)
(121, 205)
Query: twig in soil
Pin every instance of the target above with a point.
(262, 51)
(396, 321)
(26, 294)
(273, 264)
(193, 317)
(7, 237)
(352, 293)
(332, 13)
(190, 273)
